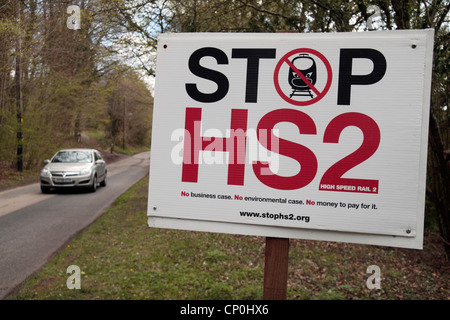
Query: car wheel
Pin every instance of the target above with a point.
(103, 183)
(45, 189)
(94, 184)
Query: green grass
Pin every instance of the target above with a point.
(120, 257)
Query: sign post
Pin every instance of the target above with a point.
(302, 136)
(276, 268)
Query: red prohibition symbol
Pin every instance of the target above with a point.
(307, 80)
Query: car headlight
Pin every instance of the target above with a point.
(85, 172)
(45, 172)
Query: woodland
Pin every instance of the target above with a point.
(64, 72)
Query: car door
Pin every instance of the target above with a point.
(100, 166)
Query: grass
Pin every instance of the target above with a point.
(120, 257)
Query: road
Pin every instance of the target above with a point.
(34, 226)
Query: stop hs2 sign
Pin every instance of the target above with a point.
(313, 136)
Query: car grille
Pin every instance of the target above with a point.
(64, 174)
(63, 183)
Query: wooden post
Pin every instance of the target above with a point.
(276, 268)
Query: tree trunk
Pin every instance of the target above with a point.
(440, 188)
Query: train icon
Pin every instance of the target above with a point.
(307, 66)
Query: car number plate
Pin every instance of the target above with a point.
(66, 180)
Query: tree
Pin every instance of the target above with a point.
(8, 121)
(60, 69)
(129, 109)
(320, 16)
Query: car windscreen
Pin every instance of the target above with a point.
(72, 157)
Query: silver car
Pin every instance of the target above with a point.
(74, 168)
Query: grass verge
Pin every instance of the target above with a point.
(120, 257)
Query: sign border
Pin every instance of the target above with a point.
(424, 37)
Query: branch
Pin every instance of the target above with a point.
(263, 10)
(442, 18)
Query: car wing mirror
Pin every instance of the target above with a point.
(46, 161)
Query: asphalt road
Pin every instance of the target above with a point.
(34, 226)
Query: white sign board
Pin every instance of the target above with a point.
(313, 136)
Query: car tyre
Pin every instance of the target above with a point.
(103, 183)
(45, 189)
(94, 184)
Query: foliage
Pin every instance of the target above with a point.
(62, 71)
(74, 80)
(322, 16)
(128, 109)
